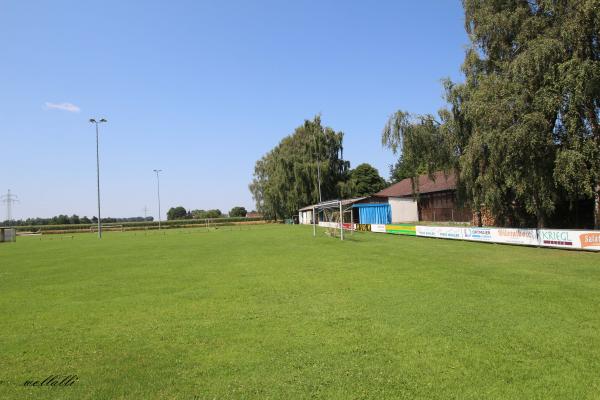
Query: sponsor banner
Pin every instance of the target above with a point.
(567, 239)
(478, 234)
(515, 236)
(325, 224)
(401, 229)
(589, 240)
(442, 232)
(378, 228)
(348, 226)
(363, 227)
(502, 235)
(427, 231)
(558, 238)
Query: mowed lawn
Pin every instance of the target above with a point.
(272, 313)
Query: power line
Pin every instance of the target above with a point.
(9, 199)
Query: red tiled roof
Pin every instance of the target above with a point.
(426, 185)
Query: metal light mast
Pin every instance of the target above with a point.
(93, 121)
(158, 193)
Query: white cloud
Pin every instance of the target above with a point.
(62, 106)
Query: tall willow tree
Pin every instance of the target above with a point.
(285, 179)
(524, 126)
(429, 143)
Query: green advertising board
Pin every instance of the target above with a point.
(399, 229)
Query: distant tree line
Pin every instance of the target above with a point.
(180, 212)
(174, 213)
(72, 220)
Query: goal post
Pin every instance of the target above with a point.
(333, 212)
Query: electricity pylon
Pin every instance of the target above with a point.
(9, 199)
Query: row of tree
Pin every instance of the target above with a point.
(173, 213)
(180, 212)
(523, 130)
(285, 178)
(71, 220)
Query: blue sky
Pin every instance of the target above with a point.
(202, 90)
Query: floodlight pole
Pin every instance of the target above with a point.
(158, 191)
(93, 121)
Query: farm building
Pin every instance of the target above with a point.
(397, 204)
(436, 200)
(8, 234)
(305, 214)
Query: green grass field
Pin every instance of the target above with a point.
(272, 313)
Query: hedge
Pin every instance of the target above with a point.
(126, 225)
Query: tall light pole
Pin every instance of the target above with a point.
(158, 192)
(93, 121)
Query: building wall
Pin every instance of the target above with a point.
(404, 209)
(8, 235)
(305, 217)
(441, 206)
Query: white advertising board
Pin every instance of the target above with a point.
(329, 224)
(346, 226)
(515, 236)
(490, 235)
(378, 228)
(442, 232)
(478, 234)
(568, 239)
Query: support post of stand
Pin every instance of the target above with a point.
(314, 225)
(341, 222)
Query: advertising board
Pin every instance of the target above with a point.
(478, 234)
(515, 236)
(401, 229)
(569, 239)
(378, 228)
(363, 227)
(441, 232)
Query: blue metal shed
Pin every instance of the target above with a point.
(374, 213)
